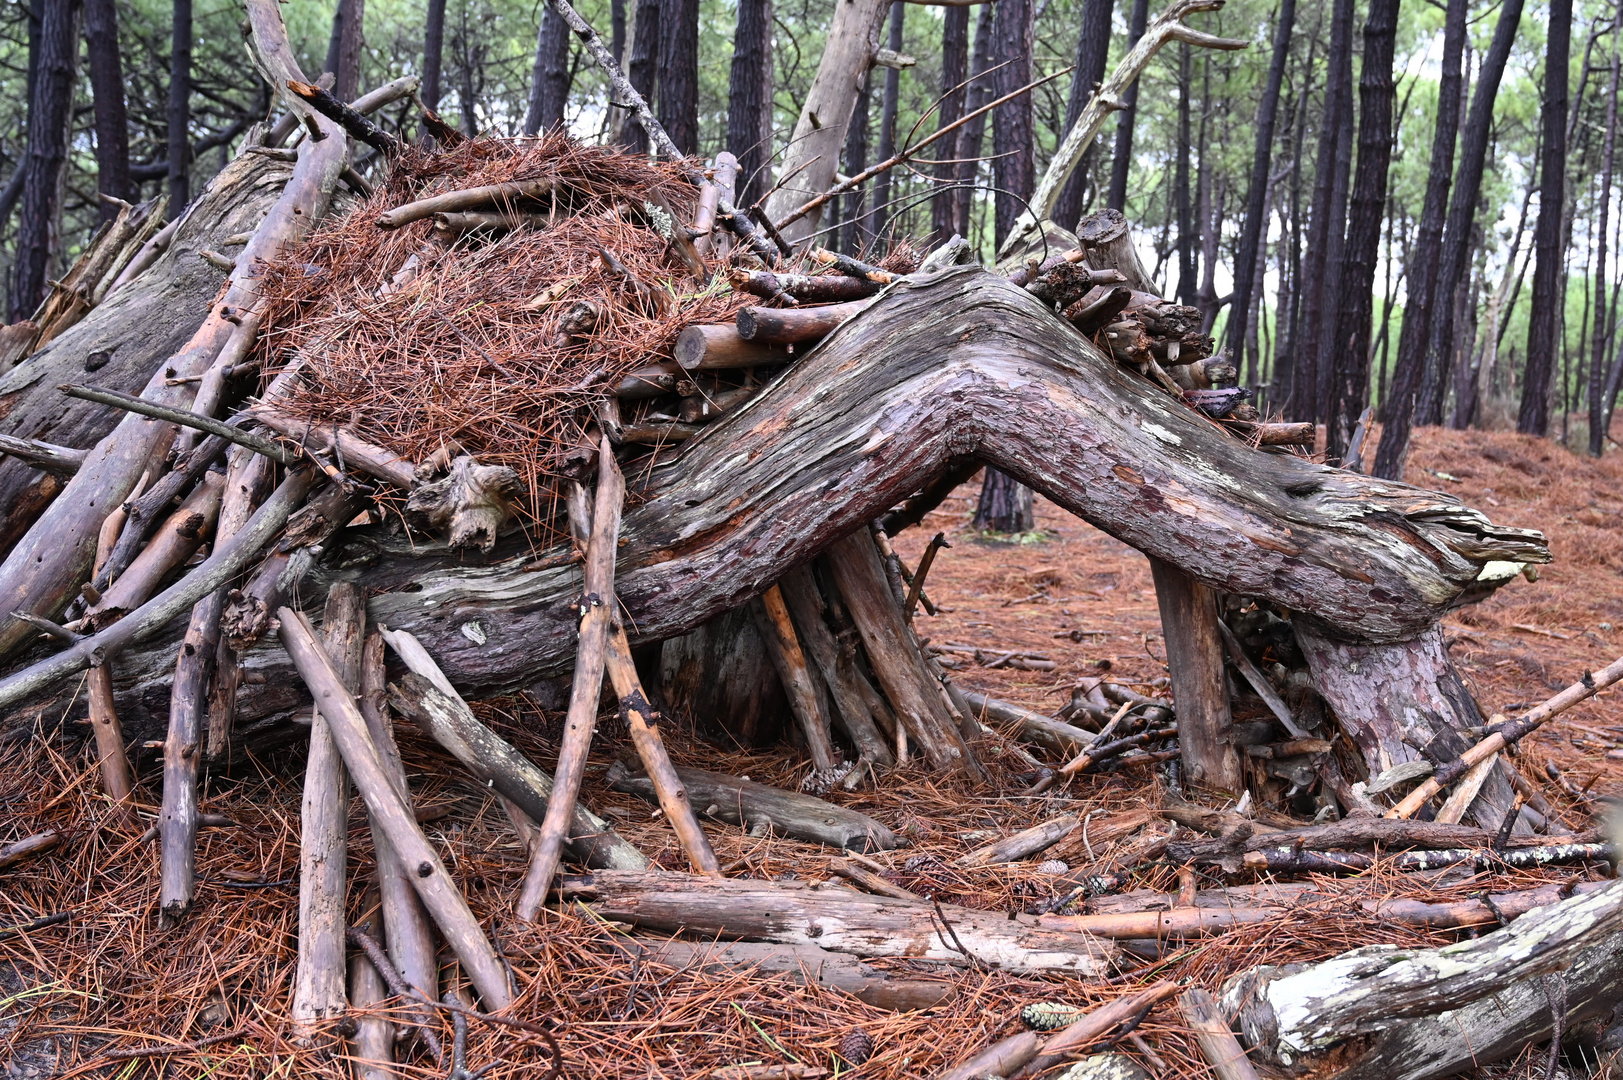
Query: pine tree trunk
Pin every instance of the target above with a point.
(617, 31)
(1422, 270)
(1092, 52)
(644, 68)
(1351, 344)
(1461, 212)
(887, 121)
(1290, 296)
(749, 99)
(1597, 365)
(107, 93)
(954, 70)
(344, 48)
(1335, 252)
(1121, 158)
(1256, 206)
(1544, 321)
(679, 72)
(50, 112)
(180, 108)
(1005, 506)
(856, 232)
(1322, 222)
(972, 136)
(1180, 181)
(433, 53)
(549, 78)
(1013, 124)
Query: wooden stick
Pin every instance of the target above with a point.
(1021, 844)
(597, 613)
(60, 460)
(405, 924)
(916, 589)
(176, 540)
(372, 1046)
(1030, 1051)
(870, 880)
(117, 777)
(318, 981)
(1587, 687)
(1217, 1043)
(1033, 727)
(354, 124)
(1259, 682)
(28, 847)
(362, 456)
(1195, 654)
(640, 717)
(1465, 792)
(783, 647)
(429, 876)
(790, 326)
(183, 417)
(465, 199)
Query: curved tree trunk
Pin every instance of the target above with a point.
(870, 416)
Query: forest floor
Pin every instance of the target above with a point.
(107, 979)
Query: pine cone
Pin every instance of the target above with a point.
(1053, 866)
(1049, 1015)
(856, 1047)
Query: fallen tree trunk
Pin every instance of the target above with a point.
(1405, 1014)
(805, 964)
(840, 920)
(982, 370)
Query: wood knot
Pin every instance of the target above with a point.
(425, 869)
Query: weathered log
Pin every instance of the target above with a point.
(48, 564)
(1031, 1052)
(654, 381)
(406, 928)
(469, 504)
(318, 979)
(719, 673)
(1217, 1043)
(806, 964)
(810, 289)
(869, 880)
(783, 647)
(707, 406)
(1408, 1014)
(839, 920)
(893, 653)
(807, 607)
(957, 364)
(1350, 833)
(497, 764)
(1401, 702)
(431, 880)
(746, 803)
(1189, 625)
(793, 326)
(362, 456)
(372, 1046)
(1021, 844)
(1289, 860)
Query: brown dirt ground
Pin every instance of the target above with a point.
(109, 978)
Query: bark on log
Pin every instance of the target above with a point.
(793, 326)
(1402, 702)
(1021, 844)
(1199, 685)
(1217, 1043)
(958, 364)
(746, 803)
(839, 920)
(805, 964)
(806, 605)
(720, 348)
(783, 647)
(1409, 1014)
(719, 674)
(28, 847)
(47, 565)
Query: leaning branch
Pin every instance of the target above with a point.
(1168, 27)
(183, 417)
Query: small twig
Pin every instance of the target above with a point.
(56, 630)
(916, 589)
(18, 929)
(183, 417)
(956, 944)
(173, 1051)
(354, 124)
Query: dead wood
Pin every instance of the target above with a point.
(28, 847)
(500, 195)
(783, 647)
(355, 125)
(1217, 1043)
(1021, 844)
(48, 564)
(48, 457)
(431, 880)
(469, 504)
(1411, 1014)
(405, 924)
(342, 445)
(869, 880)
(1032, 1052)
(184, 417)
(372, 1044)
(1033, 727)
(803, 288)
(793, 326)
(839, 920)
(982, 371)
(318, 980)
(802, 964)
(806, 605)
(1289, 860)
(497, 764)
(748, 804)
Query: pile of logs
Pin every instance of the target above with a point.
(177, 556)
